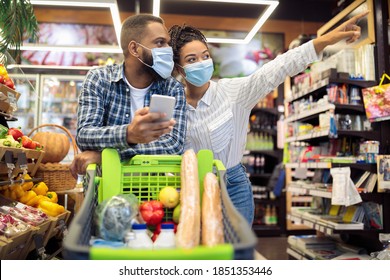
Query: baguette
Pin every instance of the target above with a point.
(212, 225)
(188, 230)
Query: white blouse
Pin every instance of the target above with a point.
(220, 121)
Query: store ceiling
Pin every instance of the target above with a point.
(297, 10)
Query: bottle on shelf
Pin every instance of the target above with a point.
(262, 164)
(267, 216)
(274, 216)
(141, 239)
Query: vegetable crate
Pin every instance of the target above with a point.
(144, 176)
(34, 158)
(16, 247)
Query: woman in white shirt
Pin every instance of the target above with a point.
(218, 112)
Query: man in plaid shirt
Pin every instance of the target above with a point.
(113, 104)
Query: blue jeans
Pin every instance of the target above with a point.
(240, 191)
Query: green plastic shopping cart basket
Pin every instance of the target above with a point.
(144, 176)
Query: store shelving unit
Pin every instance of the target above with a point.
(261, 178)
(367, 238)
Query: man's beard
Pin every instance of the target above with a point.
(148, 59)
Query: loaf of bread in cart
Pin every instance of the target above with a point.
(188, 230)
(212, 224)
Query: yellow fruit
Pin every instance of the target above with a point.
(176, 214)
(169, 197)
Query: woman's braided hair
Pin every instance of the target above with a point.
(181, 35)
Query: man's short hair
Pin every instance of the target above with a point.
(133, 28)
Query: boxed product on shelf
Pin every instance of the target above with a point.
(144, 176)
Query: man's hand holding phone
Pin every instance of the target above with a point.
(150, 123)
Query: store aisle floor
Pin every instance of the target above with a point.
(272, 248)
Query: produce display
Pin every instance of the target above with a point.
(27, 214)
(35, 195)
(5, 79)
(15, 138)
(10, 226)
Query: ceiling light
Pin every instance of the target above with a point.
(262, 18)
(111, 4)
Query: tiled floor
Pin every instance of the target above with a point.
(272, 248)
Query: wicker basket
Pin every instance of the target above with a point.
(57, 176)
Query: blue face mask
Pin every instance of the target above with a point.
(162, 61)
(199, 73)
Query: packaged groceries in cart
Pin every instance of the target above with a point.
(144, 176)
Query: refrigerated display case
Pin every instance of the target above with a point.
(48, 96)
(59, 100)
(26, 115)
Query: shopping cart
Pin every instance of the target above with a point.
(145, 176)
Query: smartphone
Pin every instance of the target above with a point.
(163, 104)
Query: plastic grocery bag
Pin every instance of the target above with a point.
(113, 216)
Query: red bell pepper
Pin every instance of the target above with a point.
(152, 212)
(15, 132)
(27, 142)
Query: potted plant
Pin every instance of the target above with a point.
(17, 21)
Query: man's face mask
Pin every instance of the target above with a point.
(199, 73)
(162, 61)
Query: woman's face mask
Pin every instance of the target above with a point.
(199, 73)
(162, 61)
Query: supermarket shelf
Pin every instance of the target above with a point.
(301, 199)
(318, 226)
(312, 135)
(319, 165)
(272, 111)
(372, 135)
(8, 117)
(296, 189)
(311, 112)
(350, 109)
(268, 201)
(333, 78)
(296, 255)
(267, 230)
(257, 175)
(269, 131)
(367, 134)
(324, 165)
(320, 85)
(271, 153)
(372, 167)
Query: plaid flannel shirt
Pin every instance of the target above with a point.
(104, 113)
